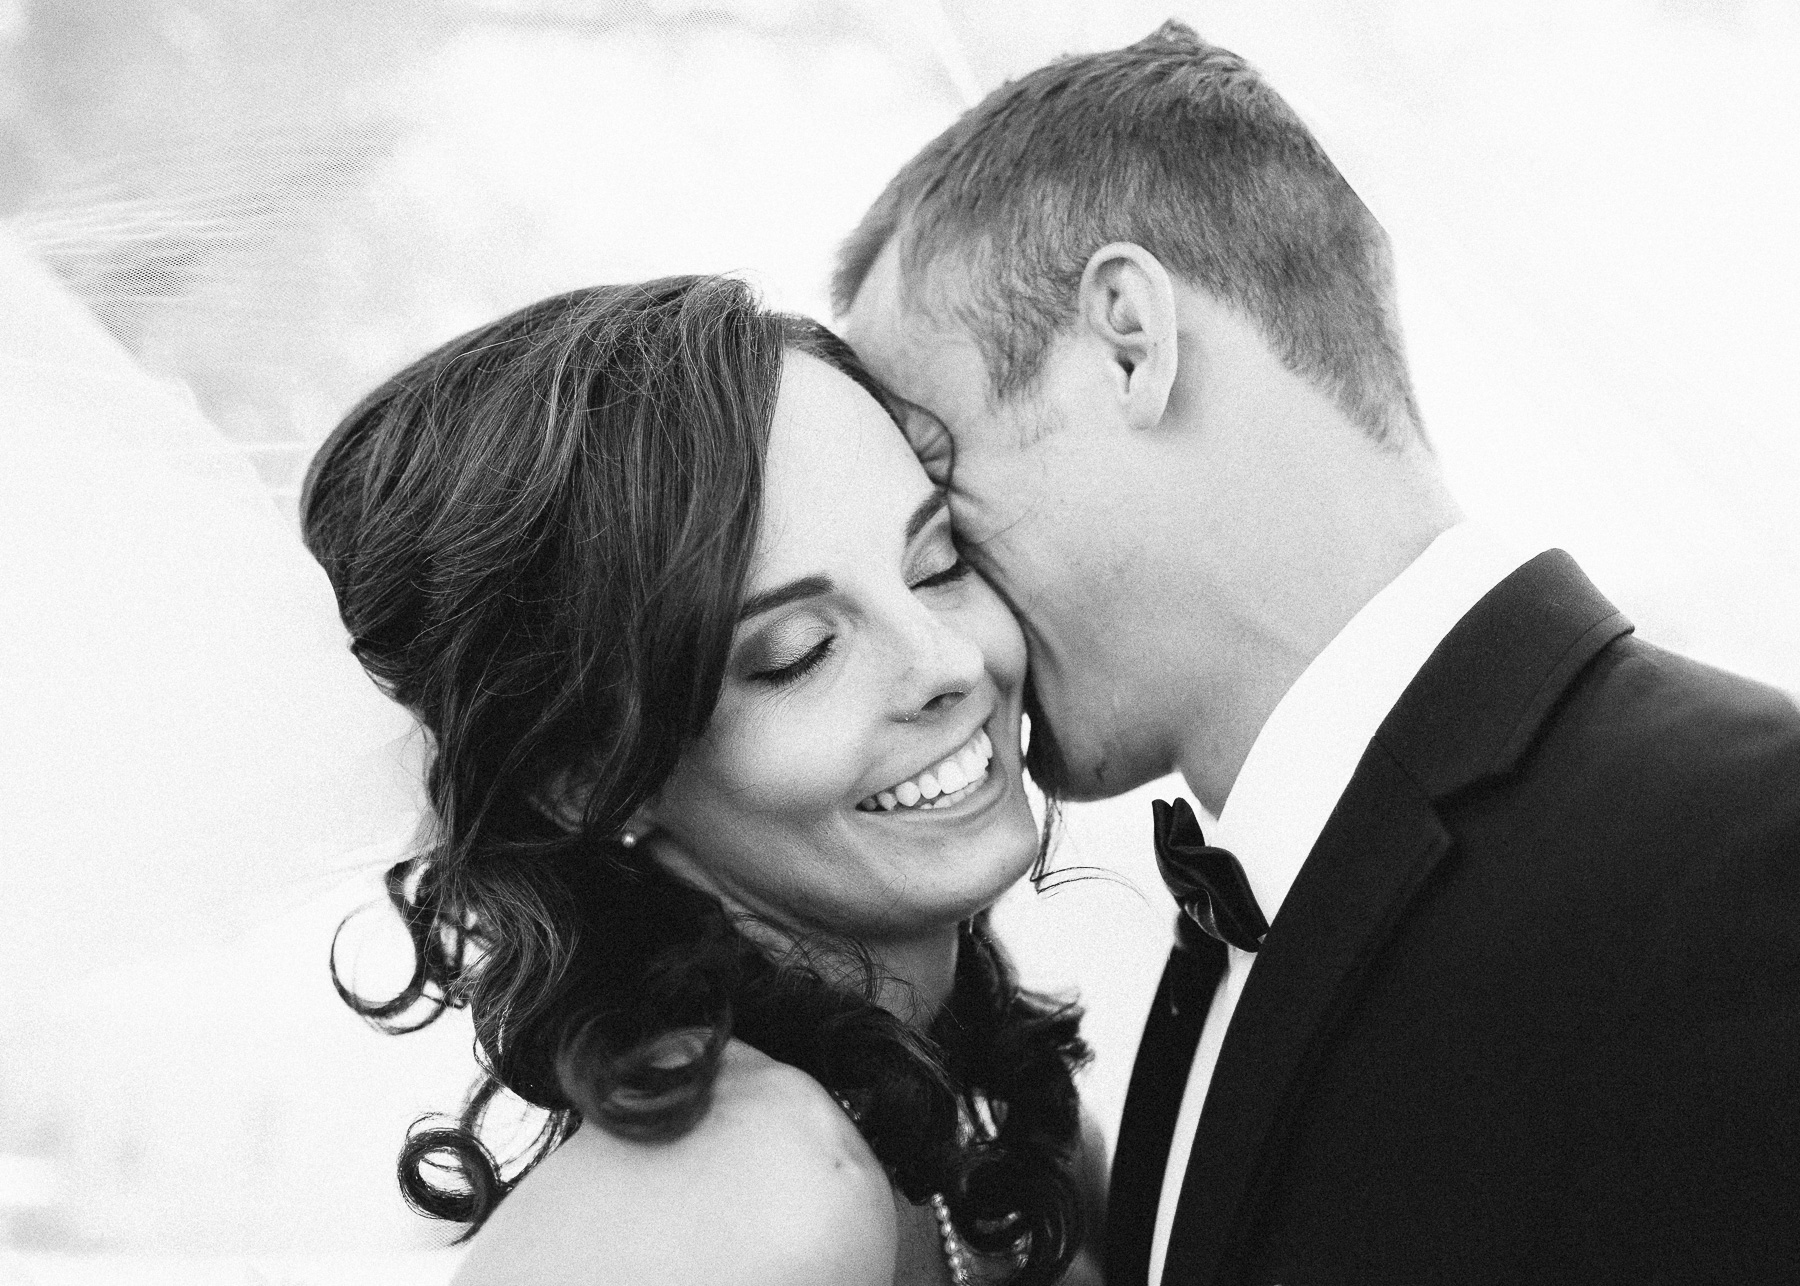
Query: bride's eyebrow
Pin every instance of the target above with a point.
(770, 599)
(815, 586)
(927, 510)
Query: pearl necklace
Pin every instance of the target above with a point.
(955, 1253)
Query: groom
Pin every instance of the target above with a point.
(1528, 1003)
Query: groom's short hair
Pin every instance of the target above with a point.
(1181, 147)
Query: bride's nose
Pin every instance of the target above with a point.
(941, 666)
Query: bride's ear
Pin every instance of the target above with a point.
(563, 799)
(1126, 301)
(645, 834)
(639, 827)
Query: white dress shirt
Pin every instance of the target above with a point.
(1304, 757)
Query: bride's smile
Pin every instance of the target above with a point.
(861, 772)
(943, 785)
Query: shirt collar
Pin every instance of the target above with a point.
(1303, 759)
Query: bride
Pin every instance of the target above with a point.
(725, 776)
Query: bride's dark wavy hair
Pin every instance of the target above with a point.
(539, 536)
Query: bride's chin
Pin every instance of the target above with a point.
(1018, 853)
(984, 873)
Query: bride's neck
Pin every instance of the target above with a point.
(914, 976)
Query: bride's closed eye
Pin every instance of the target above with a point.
(786, 651)
(780, 660)
(939, 561)
(948, 575)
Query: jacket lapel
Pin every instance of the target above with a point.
(1153, 1100)
(1471, 713)
(1338, 913)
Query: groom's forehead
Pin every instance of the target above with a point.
(888, 309)
(904, 324)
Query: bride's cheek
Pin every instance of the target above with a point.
(800, 760)
(745, 758)
(1001, 640)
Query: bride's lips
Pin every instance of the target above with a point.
(943, 783)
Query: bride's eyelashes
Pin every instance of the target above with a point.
(939, 548)
(785, 653)
(784, 674)
(954, 572)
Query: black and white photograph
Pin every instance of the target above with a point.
(899, 642)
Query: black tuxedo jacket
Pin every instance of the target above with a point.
(1531, 1010)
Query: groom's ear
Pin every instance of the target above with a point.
(1126, 303)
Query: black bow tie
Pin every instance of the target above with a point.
(1206, 882)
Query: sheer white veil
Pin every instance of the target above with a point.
(188, 745)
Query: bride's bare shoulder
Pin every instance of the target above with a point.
(773, 1185)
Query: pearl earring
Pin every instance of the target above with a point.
(628, 839)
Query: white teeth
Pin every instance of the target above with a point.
(935, 787)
